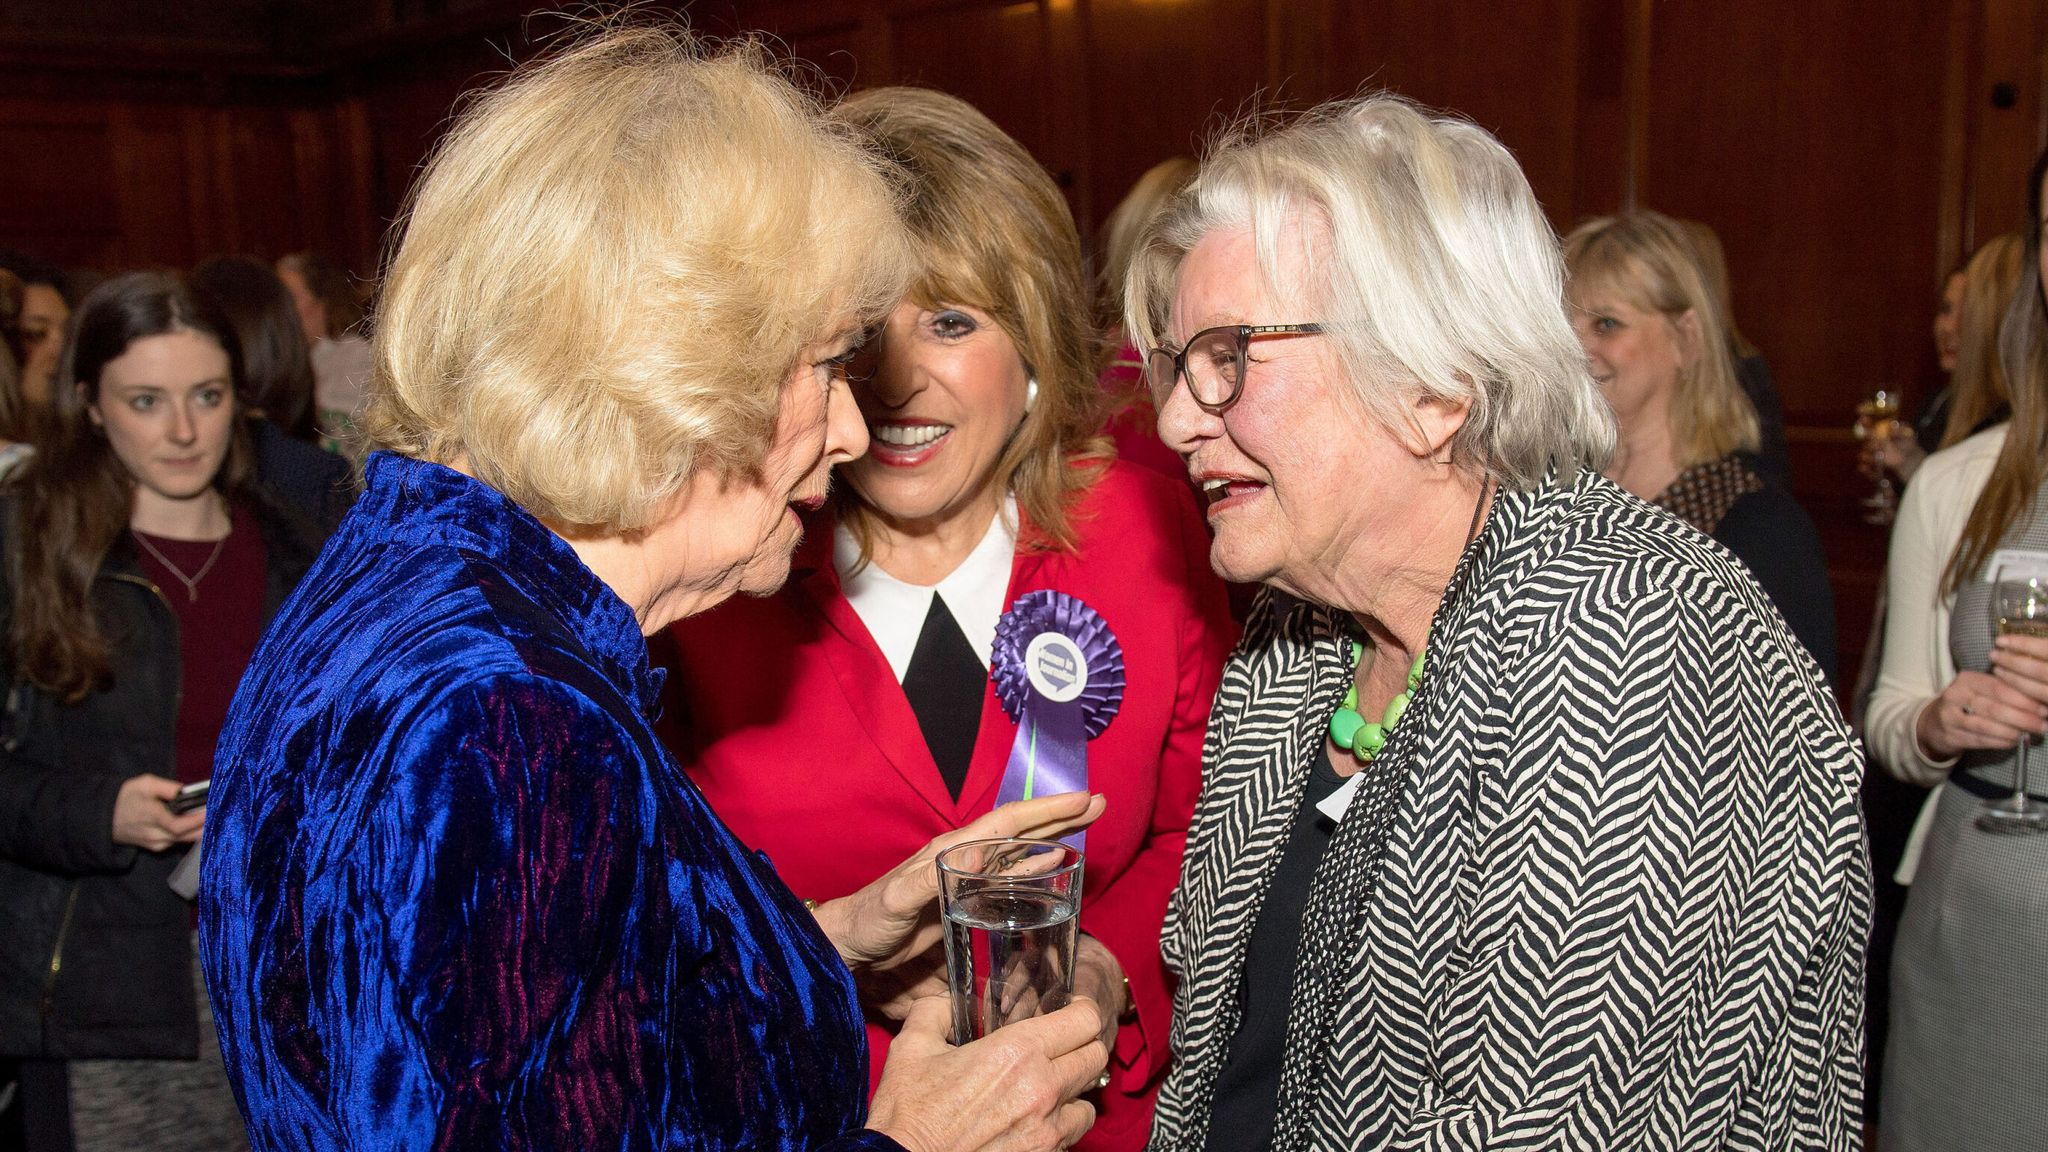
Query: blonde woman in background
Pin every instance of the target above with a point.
(1977, 395)
(1131, 420)
(457, 894)
(1653, 330)
(1752, 371)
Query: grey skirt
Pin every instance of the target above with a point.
(158, 1105)
(1966, 1067)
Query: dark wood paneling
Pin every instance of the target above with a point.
(60, 198)
(1848, 153)
(1142, 107)
(1511, 68)
(1822, 173)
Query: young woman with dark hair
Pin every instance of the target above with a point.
(141, 562)
(277, 382)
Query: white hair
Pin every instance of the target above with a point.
(1437, 274)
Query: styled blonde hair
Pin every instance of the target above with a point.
(1438, 275)
(1647, 261)
(1713, 262)
(1979, 388)
(991, 231)
(611, 265)
(1133, 215)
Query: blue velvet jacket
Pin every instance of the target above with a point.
(456, 895)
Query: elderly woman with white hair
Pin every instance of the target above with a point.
(456, 894)
(1526, 821)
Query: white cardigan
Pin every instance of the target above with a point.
(1916, 661)
(1917, 665)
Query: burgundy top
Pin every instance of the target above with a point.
(217, 631)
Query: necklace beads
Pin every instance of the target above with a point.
(1363, 738)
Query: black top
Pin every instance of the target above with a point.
(308, 479)
(1755, 377)
(1248, 1088)
(1772, 535)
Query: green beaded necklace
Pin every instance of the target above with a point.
(1353, 732)
(1361, 737)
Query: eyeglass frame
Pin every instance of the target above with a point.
(1245, 332)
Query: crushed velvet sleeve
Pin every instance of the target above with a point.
(452, 962)
(466, 967)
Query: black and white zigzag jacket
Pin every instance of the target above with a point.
(1605, 888)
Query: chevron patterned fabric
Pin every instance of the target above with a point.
(1604, 889)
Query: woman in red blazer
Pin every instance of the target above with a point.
(849, 718)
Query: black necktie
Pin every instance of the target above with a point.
(944, 685)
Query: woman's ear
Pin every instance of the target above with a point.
(1691, 341)
(1432, 421)
(85, 403)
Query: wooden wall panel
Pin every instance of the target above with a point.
(1822, 173)
(120, 184)
(1848, 153)
(155, 227)
(1144, 105)
(59, 202)
(1511, 68)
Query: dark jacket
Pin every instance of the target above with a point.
(305, 478)
(95, 949)
(1754, 374)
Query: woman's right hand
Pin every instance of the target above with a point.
(1897, 453)
(142, 820)
(1015, 1090)
(1976, 711)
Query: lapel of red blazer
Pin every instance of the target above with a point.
(866, 679)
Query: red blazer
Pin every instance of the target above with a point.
(793, 724)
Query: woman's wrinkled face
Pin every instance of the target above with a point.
(1948, 321)
(757, 525)
(942, 390)
(43, 317)
(167, 405)
(1296, 474)
(1635, 355)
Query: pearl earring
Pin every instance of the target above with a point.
(1030, 393)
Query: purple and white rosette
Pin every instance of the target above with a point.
(1059, 672)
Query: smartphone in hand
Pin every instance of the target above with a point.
(187, 798)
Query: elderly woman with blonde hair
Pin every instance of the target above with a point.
(456, 894)
(1526, 822)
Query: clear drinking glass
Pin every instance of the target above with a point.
(2019, 607)
(1012, 912)
(1876, 417)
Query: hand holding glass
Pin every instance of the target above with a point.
(1875, 420)
(2019, 607)
(1012, 912)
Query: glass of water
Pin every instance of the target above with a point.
(1012, 912)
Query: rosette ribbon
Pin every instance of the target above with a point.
(1059, 672)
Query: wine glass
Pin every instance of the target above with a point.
(2019, 607)
(1876, 417)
